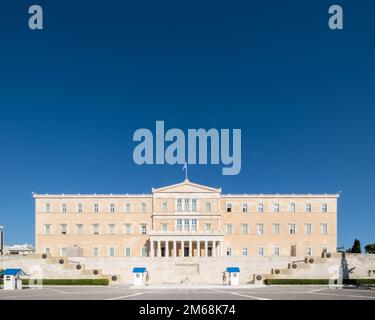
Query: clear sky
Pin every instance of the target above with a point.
(72, 95)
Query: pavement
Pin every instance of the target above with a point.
(285, 292)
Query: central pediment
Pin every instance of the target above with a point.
(186, 186)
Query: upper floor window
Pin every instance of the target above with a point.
(127, 252)
(96, 207)
(324, 228)
(276, 251)
(276, 228)
(261, 207)
(229, 228)
(208, 227)
(144, 207)
(276, 207)
(244, 251)
(324, 207)
(112, 207)
(194, 225)
(63, 207)
(245, 228)
(165, 206)
(95, 228)
(95, 251)
(164, 227)
(208, 207)
(79, 228)
(186, 225)
(194, 205)
(308, 207)
(47, 207)
(80, 207)
(179, 205)
(229, 207)
(260, 228)
(244, 207)
(179, 224)
(111, 228)
(128, 228)
(308, 228)
(292, 228)
(63, 228)
(293, 207)
(186, 205)
(127, 208)
(111, 251)
(144, 251)
(261, 251)
(144, 228)
(47, 229)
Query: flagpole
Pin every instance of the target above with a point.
(186, 172)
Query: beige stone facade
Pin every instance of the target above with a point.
(185, 220)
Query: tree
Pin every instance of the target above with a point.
(356, 247)
(370, 248)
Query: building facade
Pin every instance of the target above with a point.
(186, 220)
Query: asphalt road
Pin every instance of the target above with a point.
(181, 293)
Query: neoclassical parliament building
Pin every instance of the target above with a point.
(186, 220)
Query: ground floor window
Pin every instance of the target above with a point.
(260, 251)
(127, 252)
(95, 252)
(244, 251)
(111, 251)
(63, 252)
(144, 251)
(229, 251)
(276, 251)
(47, 250)
(309, 251)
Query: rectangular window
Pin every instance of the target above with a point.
(260, 207)
(63, 252)
(229, 228)
(144, 207)
(80, 207)
(47, 229)
(194, 205)
(144, 251)
(179, 224)
(186, 205)
(164, 227)
(292, 228)
(308, 208)
(244, 208)
(111, 228)
(112, 208)
(308, 228)
(229, 207)
(179, 205)
(292, 207)
(244, 251)
(261, 251)
(111, 251)
(260, 228)
(229, 251)
(276, 228)
(144, 228)
(276, 207)
(324, 228)
(47, 208)
(245, 228)
(208, 207)
(63, 207)
(79, 228)
(208, 227)
(308, 251)
(128, 228)
(324, 207)
(186, 225)
(276, 251)
(63, 228)
(127, 252)
(127, 208)
(165, 206)
(194, 225)
(47, 251)
(95, 228)
(95, 251)
(96, 207)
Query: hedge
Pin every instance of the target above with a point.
(318, 281)
(73, 282)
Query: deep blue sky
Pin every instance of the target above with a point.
(72, 95)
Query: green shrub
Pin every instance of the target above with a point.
(75, 282)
